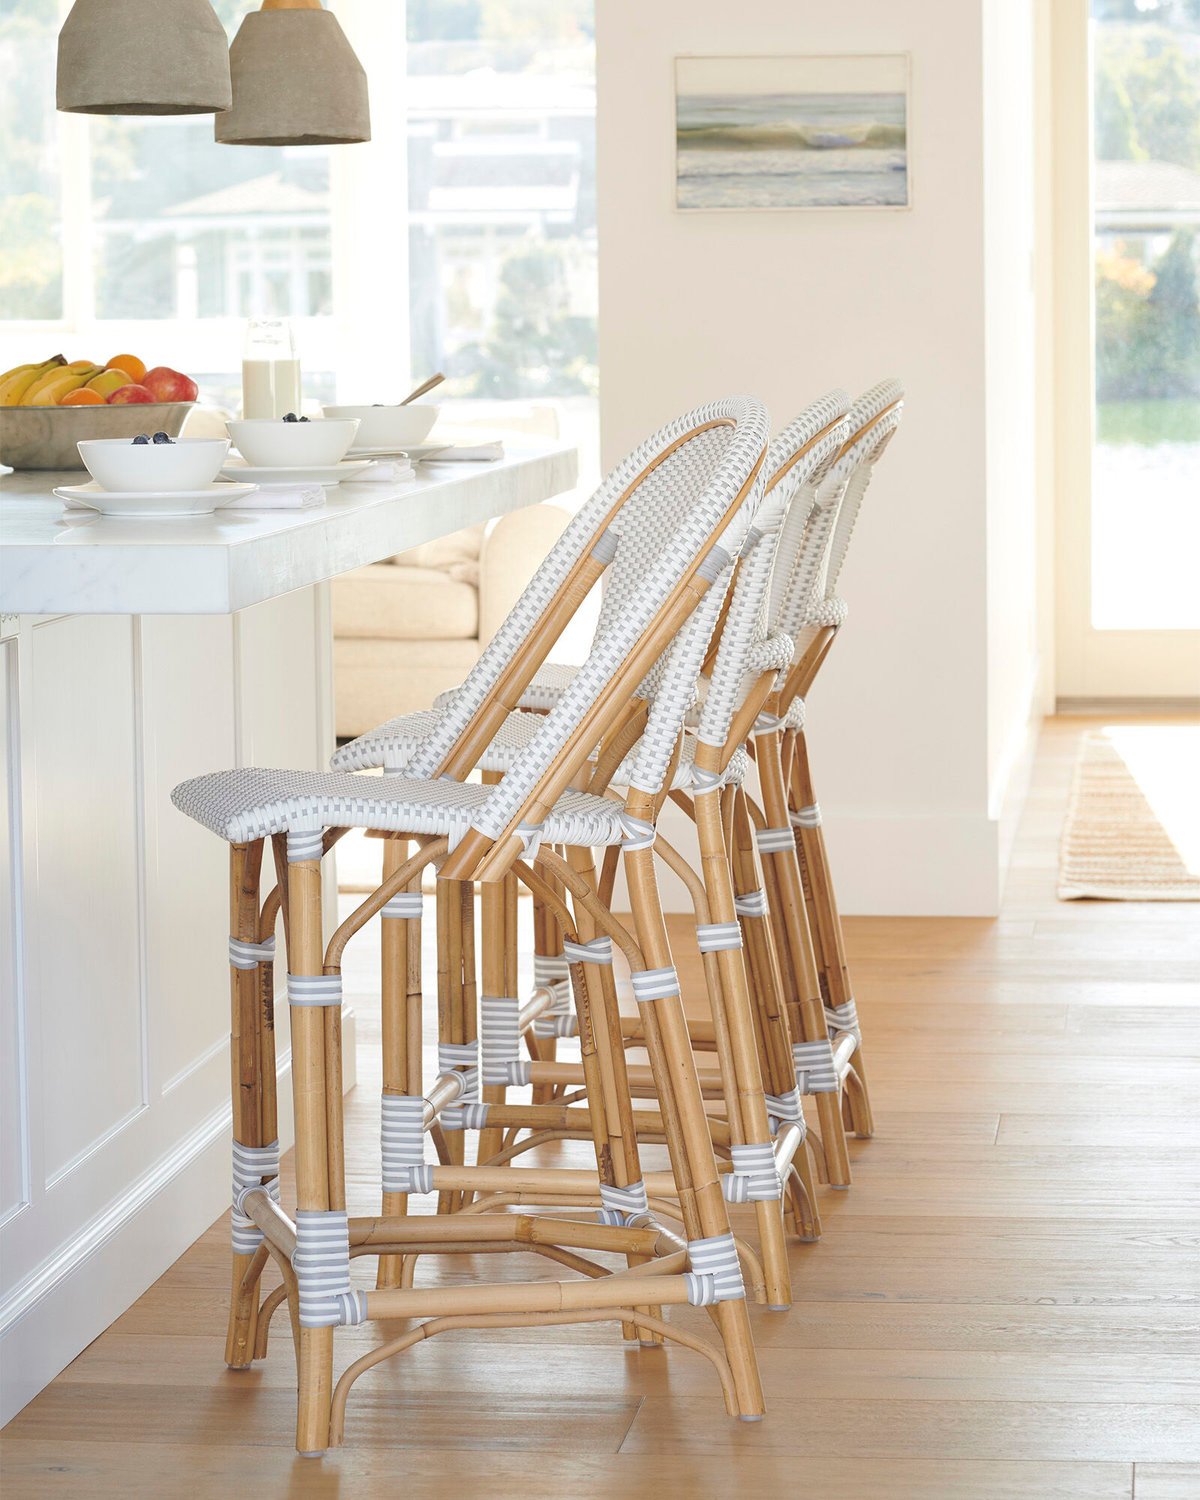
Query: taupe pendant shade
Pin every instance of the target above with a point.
(143, 57)
(296, 81)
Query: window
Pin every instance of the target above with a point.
(502, 205)
(31, 269)
(141, 234)
(1146, 177)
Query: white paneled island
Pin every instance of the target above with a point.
(134, 654)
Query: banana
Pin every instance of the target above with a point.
(16, 383)
(50, 390)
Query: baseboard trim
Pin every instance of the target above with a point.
(88, 1283)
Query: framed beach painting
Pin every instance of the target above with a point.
(791, 132)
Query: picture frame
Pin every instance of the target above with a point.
(827, 132)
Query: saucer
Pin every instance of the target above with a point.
(149, 504)
(327, 474)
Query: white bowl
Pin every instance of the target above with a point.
(276, 444)
(388, 426)
(121, 464)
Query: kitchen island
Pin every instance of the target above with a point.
(134, 654)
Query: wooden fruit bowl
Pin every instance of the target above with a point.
(44, 437)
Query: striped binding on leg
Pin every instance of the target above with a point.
(752, 904)
(754, 1177)
(402, 1144)
(785, 1109)
(243, 955)
(304, 843)
(843, 1018)
(654, 984)
(636, 833)
(314, 989)
(806, 817)
(500, 1038)
(461, 1060)
(774, 840)
(816, 1072)
(407, 905)
(322, 1266)
(626, 1207)
(767, 724)
(552, 972)
(715, 1274)
(712, 937)
(250, 1165)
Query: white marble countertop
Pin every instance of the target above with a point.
(55, 561)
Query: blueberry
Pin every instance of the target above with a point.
(142, 437)
(162, 437)
(290, 416)
(304, 419)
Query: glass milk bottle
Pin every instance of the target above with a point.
(270, 369)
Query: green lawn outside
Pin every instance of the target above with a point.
(1149, 422)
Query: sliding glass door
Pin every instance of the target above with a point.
(1129, 542)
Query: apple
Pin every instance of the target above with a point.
(130, 395)
(165, 384)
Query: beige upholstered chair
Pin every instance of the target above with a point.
(407, 629)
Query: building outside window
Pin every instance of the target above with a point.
(142, 234)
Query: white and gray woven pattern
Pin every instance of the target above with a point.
(860, 459)
(392, 745)
(691, 480)
(658, 573)
(250, 803)
(715, 1275)
(749, 644)
(755, 1177)
(253, 1167)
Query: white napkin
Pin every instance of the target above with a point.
(394, 470)
(279, 497)
(484, 452)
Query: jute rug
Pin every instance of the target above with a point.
(1132, 831)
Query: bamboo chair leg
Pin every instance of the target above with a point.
(688, 1138)
(394, 1008)
(246, 1069)
(749, 1122)
(451, 1026)
(624, 1166)
(310, 1081)
(829, 925)
(770, 1009)
(796, 949)
(493, 926)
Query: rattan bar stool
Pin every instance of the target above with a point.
(670, 523)
(741, 668)
(787, 828)
(784, 889)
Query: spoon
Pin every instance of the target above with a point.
(421, 389)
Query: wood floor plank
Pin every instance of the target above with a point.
(1004, 1306)
(42, 1470)
(1110, 1431)
(1166, 1481)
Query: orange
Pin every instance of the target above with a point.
(83, 397)
(130, 363)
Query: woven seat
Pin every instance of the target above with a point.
(393, 744)
(252, 803)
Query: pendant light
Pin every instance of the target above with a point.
(296, 80)
(143, 57)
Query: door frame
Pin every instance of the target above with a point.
(1090, 663)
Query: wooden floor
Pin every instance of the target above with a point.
(1005, 1305)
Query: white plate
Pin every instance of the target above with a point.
(238, 468)
(140, 503)
(417, 451)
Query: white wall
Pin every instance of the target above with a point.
(921, 695)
